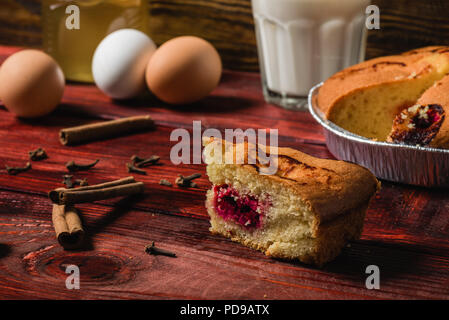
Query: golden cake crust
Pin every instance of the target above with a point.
(383, 70)
(329, 187)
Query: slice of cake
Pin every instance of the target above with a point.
(307, 210)
(424, 123)
(366, 98)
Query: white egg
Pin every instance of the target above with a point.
(119, 62)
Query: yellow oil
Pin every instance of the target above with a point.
(73, 48)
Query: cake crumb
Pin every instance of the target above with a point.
(412, 75)
(413, 108)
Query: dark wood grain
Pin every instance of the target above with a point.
(20, 22)
(406, 228)
(115, 265)
(406, 25)
(228, 24)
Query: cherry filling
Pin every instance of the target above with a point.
(245, 210)
(417, 124)
(425, 119)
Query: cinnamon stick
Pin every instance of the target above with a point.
(68, 227)
(112, 189)
(106, 129)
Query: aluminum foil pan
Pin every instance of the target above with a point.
(421, 166)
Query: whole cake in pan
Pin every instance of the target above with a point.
(307, 210)
(400, 99)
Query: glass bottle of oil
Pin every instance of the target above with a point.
(72, 29)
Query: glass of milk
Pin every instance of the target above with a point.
(303, 42)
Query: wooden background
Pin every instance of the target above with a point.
(406, 231)
(228, 24)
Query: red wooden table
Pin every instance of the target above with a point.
(405, 235)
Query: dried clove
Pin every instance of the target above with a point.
(132, 168)
(81, 182)
(16, 170)
(165, 182)
(136, 158)
(38, 154)
(187, 182)
(67, 181)
(152, 249)
(142, 162)
(72, 166)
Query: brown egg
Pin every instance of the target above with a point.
(31, 83)
(183, 70)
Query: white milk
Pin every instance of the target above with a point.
(303, 42)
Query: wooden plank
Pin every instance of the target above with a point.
(228, 24)
(18, 137)
(406, 229)
(407, 25)
(32, 264)
(85, 103)
(416, 212)
(20, 23)
(236, 103)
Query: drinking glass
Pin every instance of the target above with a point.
(303, 42)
